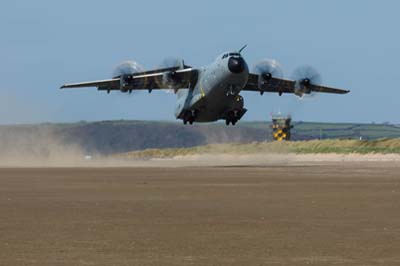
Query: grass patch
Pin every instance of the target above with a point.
(383, 146)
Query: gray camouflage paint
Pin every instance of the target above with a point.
(215, 94)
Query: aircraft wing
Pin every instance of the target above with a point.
(113, 84)
(155, 79)
(280, 86)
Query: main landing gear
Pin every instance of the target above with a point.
(233, 117)
(227, 122)
(186, 121)
(190, 117)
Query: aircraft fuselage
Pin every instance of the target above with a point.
(216, 94)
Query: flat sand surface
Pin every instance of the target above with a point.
(331, 213)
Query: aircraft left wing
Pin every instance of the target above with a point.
(165, 78)
(279, 85)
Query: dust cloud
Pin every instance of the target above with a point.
(36, 146)
(43, 146)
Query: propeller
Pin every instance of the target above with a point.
(269, 66)
(172, 62)
(267, 69)
(167, 80)
(127, 68)
(305, 76)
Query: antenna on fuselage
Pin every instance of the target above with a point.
(241, 49)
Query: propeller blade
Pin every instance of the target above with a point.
(128, 67)
(268, 67)
(169, 62)
(306, 76)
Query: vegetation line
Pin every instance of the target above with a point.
(382, 146)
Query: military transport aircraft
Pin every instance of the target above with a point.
(212, 92)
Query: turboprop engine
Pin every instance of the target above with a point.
(267, 69)
(125, 71)
(170, 80)
(306, 77)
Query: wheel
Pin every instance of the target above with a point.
(184, 121)
(233, 122)
(227, 122)
(191, 122)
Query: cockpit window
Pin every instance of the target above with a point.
(230, 54)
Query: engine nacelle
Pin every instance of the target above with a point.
(263, 79)
(125, 81)
(170, 80)
(302, 87)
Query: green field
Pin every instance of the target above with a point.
(313, 130)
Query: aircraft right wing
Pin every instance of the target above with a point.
(112, 84)
(164, 78)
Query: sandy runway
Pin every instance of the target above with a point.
(336, 213)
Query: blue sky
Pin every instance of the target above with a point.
(43, 44)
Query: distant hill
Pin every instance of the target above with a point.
(108, 137)
(313, 130)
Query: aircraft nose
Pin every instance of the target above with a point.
(236, 65)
